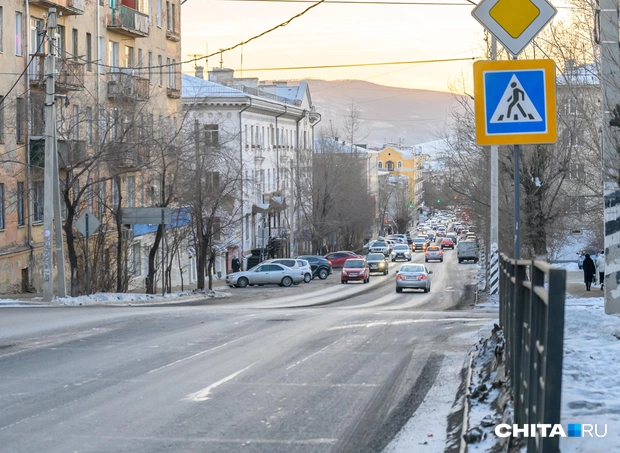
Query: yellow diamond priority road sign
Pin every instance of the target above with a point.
(514, 22)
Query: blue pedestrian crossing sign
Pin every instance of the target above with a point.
(515, 102)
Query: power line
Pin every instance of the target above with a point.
(24, 71)
(355, 2)
(355, 65)
(206, 57)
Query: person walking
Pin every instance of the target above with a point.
(236, 264)
(589, 271)
(600, 262)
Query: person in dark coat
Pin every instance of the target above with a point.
(589, 271)
(236, 264)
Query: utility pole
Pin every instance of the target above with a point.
(610, 84)
(61, 281)
(494, 261)
(50, 149)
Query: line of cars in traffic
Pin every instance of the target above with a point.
(358, 267)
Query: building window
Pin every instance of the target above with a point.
(102, 199)
(400, 164)
(1, 206)
(114, 56)
(151, 67)
(168, 16)
(380, 164)
(20, 204)
(211, 135)
(174, 18)
(76, 122)
(115, 197)
(1, 119)
(89, 126)
(62, 41)
(389, 165)
(129, 63)
(136, 259)
(140, 62)
(37, 201)
(76, 51)
(1, 29)
(173, 74)
(18, 34)
(19, 120)
(161, 70)
(130, 184)
(159, 13)
(168, 73)
(89, 52)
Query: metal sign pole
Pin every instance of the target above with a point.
(163, 271)
(517, 248)
(86, 256)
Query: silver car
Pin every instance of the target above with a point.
(294, 263)
(400, 252)
(414, 276)
(266, 274)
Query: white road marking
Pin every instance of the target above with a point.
(403, 321)
(203, 395)
(312, 355)
(198, 354)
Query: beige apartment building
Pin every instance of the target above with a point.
(117, 87)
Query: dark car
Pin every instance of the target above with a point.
(420, 243)
(377, 262)
(337, 259)
(320, 265)
(447, 243)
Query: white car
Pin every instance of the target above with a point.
(400, 252)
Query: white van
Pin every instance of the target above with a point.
(467, 251)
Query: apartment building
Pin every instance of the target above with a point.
(116, 83)
(407, 162)
(266, 128)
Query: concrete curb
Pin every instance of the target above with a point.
(465, 424)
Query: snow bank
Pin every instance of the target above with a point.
(591, 377)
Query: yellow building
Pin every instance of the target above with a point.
(115, 70)
(407, 162)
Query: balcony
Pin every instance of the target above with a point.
(70, 153)
(128, 22)
(173, 93)
(125, 87)
(173, 35)
(69, 74)
(66, 7)
(125, 155)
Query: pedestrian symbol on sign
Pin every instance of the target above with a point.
(515, 105)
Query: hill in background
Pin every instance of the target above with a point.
(388, 114)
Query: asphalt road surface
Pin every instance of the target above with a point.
(324, 367)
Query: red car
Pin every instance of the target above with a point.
(337, 259)
(355, 269)
(447, 243)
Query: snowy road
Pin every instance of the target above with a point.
(342, 374)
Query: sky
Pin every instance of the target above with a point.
(335, 34)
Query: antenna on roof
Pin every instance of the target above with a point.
(221, 58)
(241, 69)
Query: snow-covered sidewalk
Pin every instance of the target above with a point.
(590, 382)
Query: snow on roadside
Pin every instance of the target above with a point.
(591, 374)
(116, 299)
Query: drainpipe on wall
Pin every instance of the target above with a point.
(241, 172)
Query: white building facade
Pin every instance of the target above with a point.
(270, 129)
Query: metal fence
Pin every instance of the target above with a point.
(532, 297)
